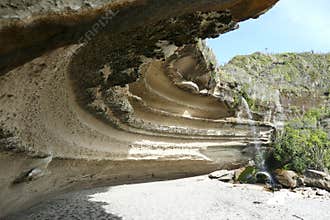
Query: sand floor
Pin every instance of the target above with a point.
(197, 198)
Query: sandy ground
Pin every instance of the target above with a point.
(190, 198)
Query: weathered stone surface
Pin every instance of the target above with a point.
(264, 177)
(317, 179)
(287, 178)
(188, 86)
(70, 21)
(90, 85)
(316, 174)
(223, 175)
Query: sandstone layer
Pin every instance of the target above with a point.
(108, 92)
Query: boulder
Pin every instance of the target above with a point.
(319, 179)
(188, 86)
(29, 175)
(204, 91)
(248, 175)
(287, 178)
(238, 172)
(264, 177)
(316, 174)
(223, 175)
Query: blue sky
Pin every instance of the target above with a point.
(290, 26)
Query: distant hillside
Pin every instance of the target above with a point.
(298, 81)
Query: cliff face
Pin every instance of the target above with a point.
(99, 92)
(281, 86)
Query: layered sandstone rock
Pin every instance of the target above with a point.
(98, 92)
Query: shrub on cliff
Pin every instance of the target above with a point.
(303, 144)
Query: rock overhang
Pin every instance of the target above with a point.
(120, 99)
(56, 25)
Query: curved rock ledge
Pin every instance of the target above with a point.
(133, 100)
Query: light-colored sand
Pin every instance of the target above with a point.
(193, 198)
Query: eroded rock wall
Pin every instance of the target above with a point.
(98, 92)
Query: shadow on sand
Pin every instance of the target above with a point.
(73, 206)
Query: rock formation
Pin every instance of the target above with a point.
(281, 83)
(105, 92)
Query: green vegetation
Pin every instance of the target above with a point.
(289, 73)
(242, 91)
(303, 143)
(245, 94)
(284, 68)
(290, 82)
(248, 175)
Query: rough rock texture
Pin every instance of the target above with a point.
(90, 94)
(287, 178)
(318, 179)
(276, 86)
